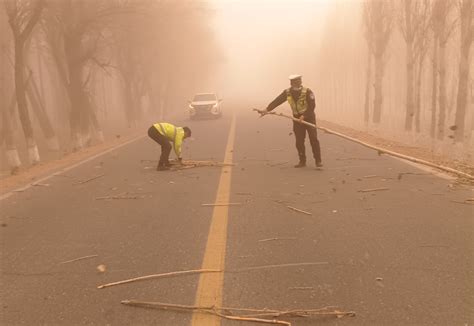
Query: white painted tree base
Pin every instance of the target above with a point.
(77, 142)
(99, 135)
(33, 154)
(12, 158)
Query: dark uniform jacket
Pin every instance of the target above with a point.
(309, 114)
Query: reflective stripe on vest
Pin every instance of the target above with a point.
(300, 106)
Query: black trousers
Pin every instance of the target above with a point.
(300, 134)
(154, 134)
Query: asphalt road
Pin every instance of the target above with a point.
(399, 256)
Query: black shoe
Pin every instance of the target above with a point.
(319, 164)
(300, 165)
(162, 168)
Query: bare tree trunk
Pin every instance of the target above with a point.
(13, 158)
(74, 91)
(40, 112)
(409, 87)
(367, 88)
(79, 117)
(22, 105)
(442, 91)
(40, 88)
(22, 26)
(467, 35)
(434, 88)
(378, 89)
(94, 121)
(418, 95)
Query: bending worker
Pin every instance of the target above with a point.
(164, 134)
(301, 100)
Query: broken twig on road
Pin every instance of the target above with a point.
(299, 210)
(40, 184)
(175, 166)
(77, 259)
(163, 275)
(245, 314)
(217, 311)
(273, 239)
(278, 164)
(369, 176)
(90, 179)
(198, 271)
(400, 175)
(117, 197)
(221, 204)
(301, 288)
(373, 189)
(465, 202)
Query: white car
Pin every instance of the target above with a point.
(205, 105)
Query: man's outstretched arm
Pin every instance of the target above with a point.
(280, 99)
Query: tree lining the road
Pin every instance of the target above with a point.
(420, 88)
(83, 67)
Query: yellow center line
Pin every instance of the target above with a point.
(210, 286)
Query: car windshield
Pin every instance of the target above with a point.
(204, 97)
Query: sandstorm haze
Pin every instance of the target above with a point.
(76, 73)
(265, 41)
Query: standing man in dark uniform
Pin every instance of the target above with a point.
(301, 100)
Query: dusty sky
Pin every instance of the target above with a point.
(264, 41)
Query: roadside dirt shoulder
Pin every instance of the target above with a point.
(413, 151)
(29, 175)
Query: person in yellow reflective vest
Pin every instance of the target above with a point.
(164, 134)
(302, 103)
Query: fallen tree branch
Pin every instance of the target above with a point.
(40, 184)
(465, 202)
(301, 288)
(163, 275)
(299, 210)
(251, 314)
(273, 239)
(117, 197)
(373, 189)
(379, 149)
(209, 310)
(198, 271)
(277, 164)
(194, 164)
(77, 259)
(90, 179)
(400, 175)
(221, 204)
